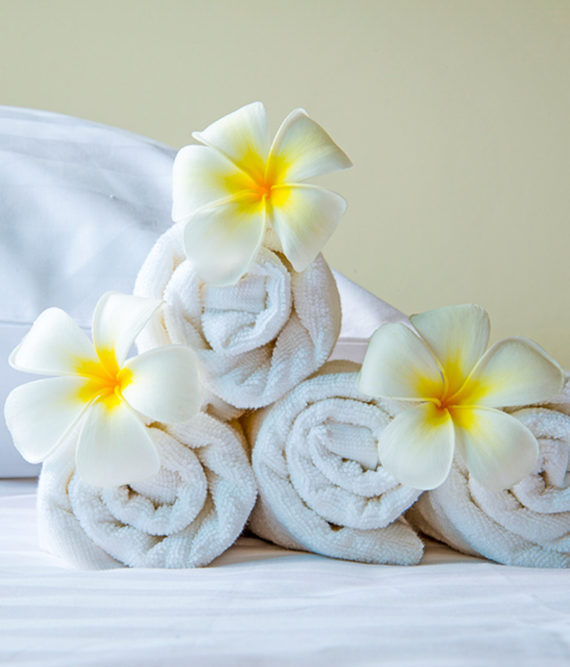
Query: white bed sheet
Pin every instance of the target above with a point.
(263, 605)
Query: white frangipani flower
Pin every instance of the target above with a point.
(236, 185)
(456, 388)
(109, 395)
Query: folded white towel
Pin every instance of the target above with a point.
(527, 525)
(256, 339)
(189, 513)
(321, 487)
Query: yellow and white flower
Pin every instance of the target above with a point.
(99, 392)
(456, 389)
(236, 185)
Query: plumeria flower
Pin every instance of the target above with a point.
(455, 389)
(107, 398)
(237, 185)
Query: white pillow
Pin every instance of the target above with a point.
(81, 205)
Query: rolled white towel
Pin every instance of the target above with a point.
(527, 525)
(321, 487)
(256, 339)
(189, 513)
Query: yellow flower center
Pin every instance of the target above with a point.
(265, 180)
(456, 391)
(106, 381)
(443, 402)
(263, 189)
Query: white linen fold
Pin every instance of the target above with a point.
(527, 525)
(255, 340)
(186, 515)
(321, 486)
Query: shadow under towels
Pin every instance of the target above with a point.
(186, 515)
(527, 525)
(255, 340)
(321, 487)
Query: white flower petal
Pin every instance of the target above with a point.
(202, 175)
(40, 414)
(515, 371)
(417, 446)
(242, 136)
(55, 345)
(222, 240)
(117, 321)
(497, 449)
(302, 149)
(458, 336)
(399, 364)
(164, 385)
(115, 447)
(304, 217)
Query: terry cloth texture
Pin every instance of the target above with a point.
(255, 340)
(527, 525)
(189, 513)
(321, 487)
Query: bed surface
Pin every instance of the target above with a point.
(262, 605)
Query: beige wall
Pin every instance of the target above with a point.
(456, 115)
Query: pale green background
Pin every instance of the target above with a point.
(456, 115)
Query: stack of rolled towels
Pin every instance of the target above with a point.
(263, 345)
(285, 443)
(278, 423)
